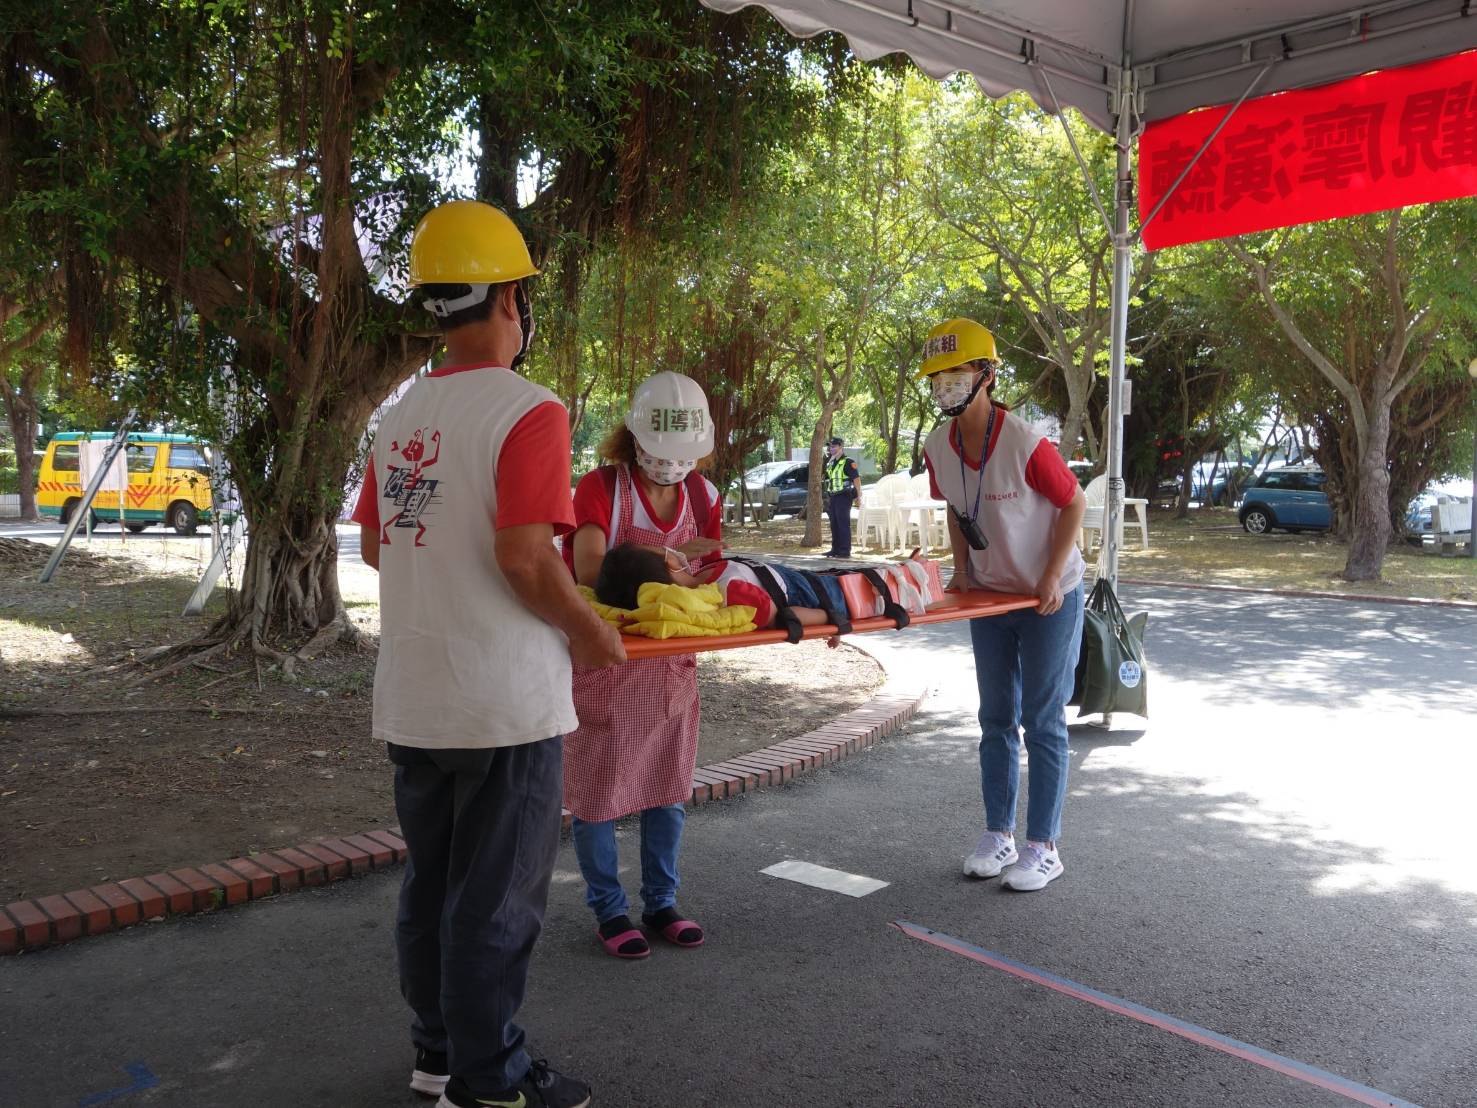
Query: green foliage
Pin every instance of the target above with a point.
(1374, 318)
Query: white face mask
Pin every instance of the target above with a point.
(954, 389)
(663, 471)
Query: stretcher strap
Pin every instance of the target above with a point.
(837, 614)
(890, 607)
(794, 631)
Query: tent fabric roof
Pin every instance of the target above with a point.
(1185, 54)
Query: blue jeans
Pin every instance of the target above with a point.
(482, 830)
(1024, 663)
(661, 839)
(801, 593)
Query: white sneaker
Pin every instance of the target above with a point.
(1039, 865)
(992, 853)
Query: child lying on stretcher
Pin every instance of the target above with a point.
(629, 566)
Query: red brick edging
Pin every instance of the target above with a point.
(47, 920)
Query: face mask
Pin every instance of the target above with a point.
(955, 389)
(663, 471)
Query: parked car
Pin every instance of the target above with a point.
(784, 485)
(1418, 517)
(1293, 498)
(758, 476)
(1289, 497)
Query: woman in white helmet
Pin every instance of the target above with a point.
(1014, 514)
(636, 746)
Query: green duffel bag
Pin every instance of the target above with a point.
(1111, 673)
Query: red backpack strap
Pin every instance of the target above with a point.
(702, 503)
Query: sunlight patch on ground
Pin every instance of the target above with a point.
(23, 641)
(1383, 792)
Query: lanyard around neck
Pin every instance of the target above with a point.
(984, 459)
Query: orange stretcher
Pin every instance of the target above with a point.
(955, 605)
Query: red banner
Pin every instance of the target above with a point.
(1383, 140)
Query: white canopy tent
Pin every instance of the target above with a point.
(1124, 63)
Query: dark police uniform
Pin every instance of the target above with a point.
(839, 474)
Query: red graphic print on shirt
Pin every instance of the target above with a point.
(408, 488)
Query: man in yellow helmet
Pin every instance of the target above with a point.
(1014, 514)
(466, 488)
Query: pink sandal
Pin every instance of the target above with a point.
(630, 944)
(678, 932)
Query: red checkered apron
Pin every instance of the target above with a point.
(636, 745)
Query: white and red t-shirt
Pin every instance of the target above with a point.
(1025, 484)
(740, 584)
(596, 502)
(462, 661)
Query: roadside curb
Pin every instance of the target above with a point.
(1302, 594)
(27, 925)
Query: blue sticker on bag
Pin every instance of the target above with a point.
(1129, 675)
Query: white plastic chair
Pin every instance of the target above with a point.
(879, 512)
(1093, 519)
(873, 515)
(930, 525)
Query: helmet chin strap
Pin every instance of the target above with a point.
(525, 321)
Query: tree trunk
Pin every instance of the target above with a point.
(831, 390)
(1371, 531)
(23, 430)
(1079, 382)
(813, 498)
(1187, 487)
(19, 395)
(899, 397)
(1187, 469)
(789, 441)
(918, 465)
(291, 575)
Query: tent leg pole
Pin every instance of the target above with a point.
(1122, 275)
(83, 513)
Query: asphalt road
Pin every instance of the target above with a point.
(1281, 855)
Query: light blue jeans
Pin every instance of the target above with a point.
(1024, 663)
(661, 839)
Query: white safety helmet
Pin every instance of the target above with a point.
(670, 419)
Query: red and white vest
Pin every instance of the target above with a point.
(462, 661)
(1015, 518)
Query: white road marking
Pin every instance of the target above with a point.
(821, 877)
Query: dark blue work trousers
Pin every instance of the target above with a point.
(482, 828)
(838, 507)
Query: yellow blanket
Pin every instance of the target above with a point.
(672, 612)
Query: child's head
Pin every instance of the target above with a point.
(626, 568)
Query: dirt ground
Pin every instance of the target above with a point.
(221, 760)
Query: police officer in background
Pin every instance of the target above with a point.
(842, 485)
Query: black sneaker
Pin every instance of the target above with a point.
(430, 1074)
(541, 1088)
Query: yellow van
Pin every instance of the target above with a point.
(168, 481)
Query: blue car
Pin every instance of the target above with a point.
(1291, 497)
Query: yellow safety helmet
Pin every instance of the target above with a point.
(467, 242)
(953, 343)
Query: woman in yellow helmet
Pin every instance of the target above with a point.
(1014, 514)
